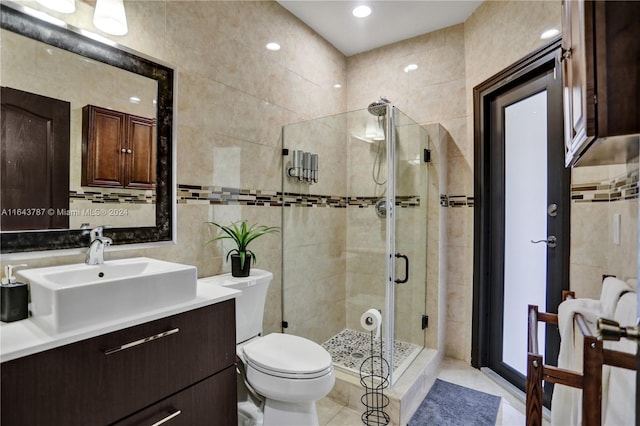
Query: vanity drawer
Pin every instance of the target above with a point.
(106, 378)
(196, 345)
(211, 401)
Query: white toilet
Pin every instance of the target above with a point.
(289, 372)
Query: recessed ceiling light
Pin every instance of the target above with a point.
(550, 33)
(273, 46)
(410, 67)
(337, 85)
(361, 11)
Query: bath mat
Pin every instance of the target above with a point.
(448, 404)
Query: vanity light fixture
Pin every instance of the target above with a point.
(361, 11)
(63, 6)
(110, 17)
(552, 32)
(273, 46)
(411, 67)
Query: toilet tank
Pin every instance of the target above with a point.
(250, 304)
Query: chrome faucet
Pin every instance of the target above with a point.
(95, 254)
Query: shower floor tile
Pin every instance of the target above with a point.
(350, 348)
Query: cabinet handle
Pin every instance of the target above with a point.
(129, 151)
(123, 150)
(141, 341)
(166, 419)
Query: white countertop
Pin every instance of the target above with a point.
(22, 338)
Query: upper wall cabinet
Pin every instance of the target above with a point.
(601, 71)
(118, 149)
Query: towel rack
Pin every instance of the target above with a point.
(590, 381)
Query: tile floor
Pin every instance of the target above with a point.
(511, 411)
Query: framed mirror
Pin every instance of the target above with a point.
(46, 61)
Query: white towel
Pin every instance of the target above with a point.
(633, 283)
(566, 402)
(612, 289)
(620, 390)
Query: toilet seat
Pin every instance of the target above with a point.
(288, 356)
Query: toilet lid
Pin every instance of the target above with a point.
(287, 355)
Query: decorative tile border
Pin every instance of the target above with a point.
(456, 200)
(617, 189)
(196, 194)
(620, 188)
(101, 197)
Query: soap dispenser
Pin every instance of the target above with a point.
(14, 297)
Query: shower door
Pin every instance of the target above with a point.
(406, 251)
(340, 234)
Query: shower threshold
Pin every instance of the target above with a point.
(350, 348)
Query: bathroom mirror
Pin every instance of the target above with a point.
(52, 59)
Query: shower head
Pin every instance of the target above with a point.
(379, 107)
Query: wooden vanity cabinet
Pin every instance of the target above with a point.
(118, 149)
(601, 80)
(188, 366)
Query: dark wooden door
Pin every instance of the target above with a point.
(35, 161)
(493, 333)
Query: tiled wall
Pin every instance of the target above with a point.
(233, 97)
(598, 193)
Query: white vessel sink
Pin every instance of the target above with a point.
(69, 297)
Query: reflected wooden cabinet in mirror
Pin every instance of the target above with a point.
(118, 149)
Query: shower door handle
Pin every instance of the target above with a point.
(406, 269)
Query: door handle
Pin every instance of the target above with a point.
(406, 269)
(551, 241)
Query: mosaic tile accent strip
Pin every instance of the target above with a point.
(102, 197)
(350, 348)
(196, 194)
(617, 189)
(456, 200)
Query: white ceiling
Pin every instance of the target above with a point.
(390, 20)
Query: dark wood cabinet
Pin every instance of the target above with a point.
(190, 368)
(118, 149)
(209, 402)
(601, 78)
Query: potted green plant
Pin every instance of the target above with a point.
(242, 234)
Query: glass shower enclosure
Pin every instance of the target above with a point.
(355, 233)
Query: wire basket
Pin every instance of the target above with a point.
(374, 377)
